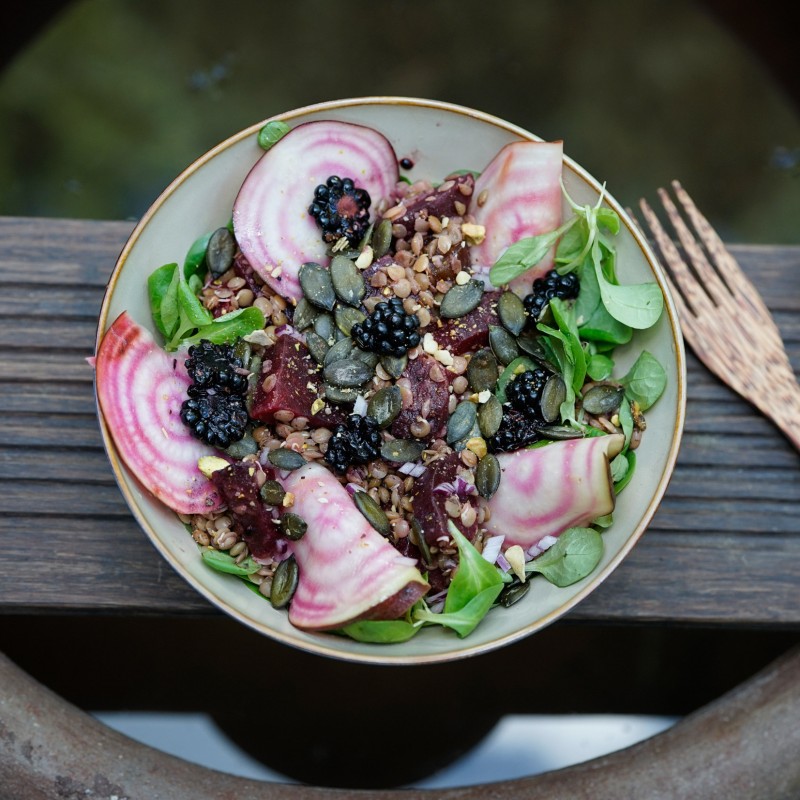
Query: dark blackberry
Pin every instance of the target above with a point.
(214, 366)
(565, 287)
(217, 418)
(355, 441)
(525, 392)
(516, 431)
(341, 210)
(388, 331)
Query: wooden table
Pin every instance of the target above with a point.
(722, 554)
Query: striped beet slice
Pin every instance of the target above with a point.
(348, 571)
(522, 198)
(546, 490)
(270, 216)
(140, 389)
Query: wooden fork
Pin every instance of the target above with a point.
(723, 317)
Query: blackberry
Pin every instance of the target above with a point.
(218, 418)
(355, 441)
(565, 287)
(341, 210)
(525, 392)
(388, 331)
(214, 366)
(516, 431)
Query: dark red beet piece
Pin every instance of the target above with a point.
(440, 202)
(239, 486)
(296, 386)
(430, 399)
(469, 332)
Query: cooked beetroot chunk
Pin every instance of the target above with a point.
(441, 202)
(429, 504)
(296, 386)
(470, 331)
(239, 486)
(429, 399)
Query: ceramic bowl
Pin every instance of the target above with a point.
(440, 138)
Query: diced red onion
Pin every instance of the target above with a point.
(413, 469)
(545, 543)
(502, 562)
(360, 406)
(352, 488)
(289, 330)
(491, 548)
(463, 489)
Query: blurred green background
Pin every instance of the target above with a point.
(104, 102)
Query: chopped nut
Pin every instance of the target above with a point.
(365, 257)
(208, 465)
(288, 500)
(477, 444)
(462, 277)
(443, 357)
(516, 557)
(317, 406)
(429, 344)
(473, 233)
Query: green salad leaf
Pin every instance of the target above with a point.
(575, 555)
(645, 381)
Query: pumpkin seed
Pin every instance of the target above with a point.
(272, 493)
(325, 327)
(284, 583)
(341, 350)
(461, 421)
(513, 592)
(338, 394)
(402, 450)
(512, 314)
(283, 458)
(417, 536)
(554, 393)
(482, 371)
(243, 351)
(529, 342)
(317, 346)
(460, 300)
(315, 281)
(382, 238)
(365, 239)
(220, 251)
(304, 314)
(487, 476)
(292, 526)
(373, 513)
(347, 373)
(503, 344)
(558, 432)
(246, 446)
(346, 317)
(394, 365)
(346, 280)
(385, 405)
(490, 415)
(603, 399)
(367, 356)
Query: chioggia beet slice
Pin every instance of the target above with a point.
(271, 221)
(548, 489)
(520, 196)
(140, 389)
(348, 571)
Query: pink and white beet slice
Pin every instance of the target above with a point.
(522, 198)
(548, 489)
(347, 570)
(270, 216)
(140, 389)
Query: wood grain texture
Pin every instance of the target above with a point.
(723, 549)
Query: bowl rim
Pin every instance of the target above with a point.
(380, 656)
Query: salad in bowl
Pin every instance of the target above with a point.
(388, 398)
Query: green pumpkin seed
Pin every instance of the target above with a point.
(284, 583)
(554, 393)
(292, 526)
(394, 365)
(347, 282)
(513, 592)
(304, 314)
(365, 240)
(382, 238)
(402, 450)
(342, 349)
(385, 405)
(482, 371)
(347, 373)
(338, 394)
(243, 352)
(317, 346)
(272, 493)
(512, 313)
(461, 299)
(373, 513)
(220, 252)
(283, 458)
(315, 281)
(346, 317)
(461, 421)
(490, 415)
(417, 536)
(603, 399)
(559, 432)
(252, 381)
(325, 327)
(529, 342)
(368, 357)
(503, 344)
(246, 446)
(487, 476)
